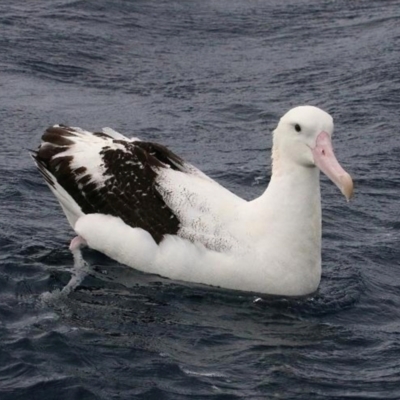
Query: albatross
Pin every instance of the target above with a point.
(144, 206)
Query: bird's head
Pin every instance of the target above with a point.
(303, 137)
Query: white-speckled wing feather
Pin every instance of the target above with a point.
(143, 183)
(206, 210)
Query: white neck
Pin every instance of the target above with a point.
(288, 218)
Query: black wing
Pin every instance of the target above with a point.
(128, 188)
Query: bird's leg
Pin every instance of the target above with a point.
(75, 246)
(76, 243)
(79, 264)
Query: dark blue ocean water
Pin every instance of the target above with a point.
(210, 79)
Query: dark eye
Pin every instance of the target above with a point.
(297, 127)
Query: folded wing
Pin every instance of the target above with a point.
(143, 183)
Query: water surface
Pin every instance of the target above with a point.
(209, 79)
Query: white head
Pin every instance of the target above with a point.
(303, 138)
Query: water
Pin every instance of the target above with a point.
(210, 79)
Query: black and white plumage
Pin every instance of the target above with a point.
(144, 206)
(124, 184)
